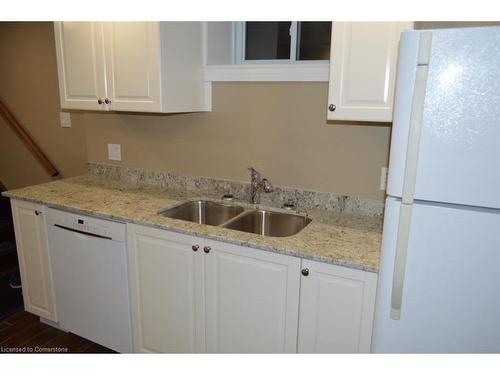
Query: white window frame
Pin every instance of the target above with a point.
(268, 70)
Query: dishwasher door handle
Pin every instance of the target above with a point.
(82, 232)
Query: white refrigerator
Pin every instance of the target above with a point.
(439, 279)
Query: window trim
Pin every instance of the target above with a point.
(266, 70)
(304, 72)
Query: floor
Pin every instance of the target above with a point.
(23, 332)
(10, 299)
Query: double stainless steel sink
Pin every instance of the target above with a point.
(232, 216)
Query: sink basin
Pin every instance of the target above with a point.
(203, 212)
(268, 223)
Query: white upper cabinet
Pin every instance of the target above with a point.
(80, 63)
(133, 69)
(363, 64)
(336, 309)
(33, 254)
(131, 66)
(252, 300)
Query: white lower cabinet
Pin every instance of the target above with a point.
(252, 300)
(194, 295)
(166, 291)
(219, 298)
(336, 309)
(33, 255)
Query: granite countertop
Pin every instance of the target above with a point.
(338, 238)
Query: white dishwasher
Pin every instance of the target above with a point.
(89, 266)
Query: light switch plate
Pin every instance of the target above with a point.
(65, 119)
(383, 178)
(114, 151)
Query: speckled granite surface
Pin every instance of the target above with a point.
(338, 238)
(305, 199)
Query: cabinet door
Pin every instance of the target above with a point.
(33, 254)
(336, 309)
(363, 70)
(133, 65)
(251, 300)
(166, 291)
(80, 64)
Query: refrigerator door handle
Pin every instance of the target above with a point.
(400, 260)
(417, 112)
(410, 174)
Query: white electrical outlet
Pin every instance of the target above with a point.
(383, 178)
(65, 119)
(114, 151)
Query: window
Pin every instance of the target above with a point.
(313, 40)
(267, 40)
(267, 51)
(282, 42)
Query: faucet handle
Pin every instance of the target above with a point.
(267, 186)
(288, 205)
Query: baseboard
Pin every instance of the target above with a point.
(52, 324)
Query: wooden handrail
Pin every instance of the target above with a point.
(25, 137)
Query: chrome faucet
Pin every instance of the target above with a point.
(257, 185)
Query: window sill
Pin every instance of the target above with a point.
(312, 72)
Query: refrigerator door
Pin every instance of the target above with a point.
(457, 146)
(451, 294)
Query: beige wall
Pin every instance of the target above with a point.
(28, 86)
(279, 128)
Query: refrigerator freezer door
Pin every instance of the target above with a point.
(459, 155)
(451, 298)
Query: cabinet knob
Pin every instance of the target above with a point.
(107, 101)
(195, 247)
(100, 101)
(207, 249)
(305, 271)
(332, 107)
(37, 212)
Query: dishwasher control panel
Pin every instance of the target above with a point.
(86, 224)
